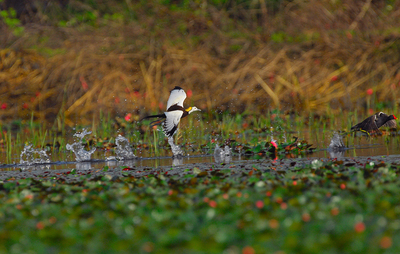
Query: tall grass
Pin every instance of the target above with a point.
(236, 60)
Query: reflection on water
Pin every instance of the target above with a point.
(83, 165)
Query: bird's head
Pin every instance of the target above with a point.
(192, 109)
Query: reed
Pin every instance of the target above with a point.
(307, 67)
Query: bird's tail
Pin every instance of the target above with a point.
(156, 122)
(153, 116)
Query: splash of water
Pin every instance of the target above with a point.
(176, 150)
(123, 149)
(336, 148)
(78, 149)
(222, 155)
(336, 142)
(31, 156)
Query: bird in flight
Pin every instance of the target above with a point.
(374, 122)
(175, 112)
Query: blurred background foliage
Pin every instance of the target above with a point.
(69, 60)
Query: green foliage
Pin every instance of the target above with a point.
(256, 206)
(9, 17)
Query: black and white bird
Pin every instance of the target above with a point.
(374, 122)
(175, 111)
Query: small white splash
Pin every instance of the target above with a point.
(336, 142)
(222, 155)
(31, 156)
(78, 149)
(123, 149)
(176, 150)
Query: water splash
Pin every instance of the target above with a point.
(336, 142)
(176, 150)
(78, 149)
(336, 148)
(222, 155)
(31, 156)
(123, 149)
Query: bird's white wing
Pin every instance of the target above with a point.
(177, 96)
(170, 125)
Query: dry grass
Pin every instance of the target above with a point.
(132, 70)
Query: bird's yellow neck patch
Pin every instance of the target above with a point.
(188, 109)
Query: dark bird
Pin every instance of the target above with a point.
(175, 111)
(374, 122)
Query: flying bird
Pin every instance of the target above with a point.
(374, 122)
(175, 111)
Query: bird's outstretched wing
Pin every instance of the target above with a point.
(390, 124)
(170, 125)
(177, 96)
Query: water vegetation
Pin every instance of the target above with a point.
(261, 84)
(334, 205)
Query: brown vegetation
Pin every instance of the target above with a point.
(317, 56)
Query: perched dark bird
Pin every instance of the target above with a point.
(175, 111)
(374, 122)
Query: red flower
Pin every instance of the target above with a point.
(248, 250)
(359, 227)
(385, 242)
(371, 111)
(260, 204)
(136, 94)
(83, 83)
(335, 211)
(349, 35)
(370, 91)
(306, 217)
(128, 117)
(334, 78)
(272, 78)
(4, 105)
(40, 225)
(213, 204)
(189, 93)
(25, 105)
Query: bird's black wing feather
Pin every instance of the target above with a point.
(153, 116)
(367, 125)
